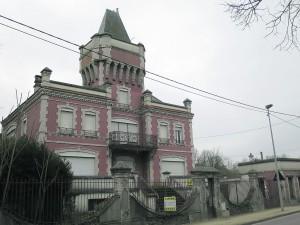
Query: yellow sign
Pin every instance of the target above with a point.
(189, 182)
(170, 204)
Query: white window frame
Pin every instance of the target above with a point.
(163, 123)
(177, 127)
(67, 107)
(90, 111)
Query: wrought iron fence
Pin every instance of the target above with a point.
(152, 194)
(144, 193)
(238, 194)
(52, 202)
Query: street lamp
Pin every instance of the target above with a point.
(275, 159)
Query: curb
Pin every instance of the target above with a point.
(270, 218)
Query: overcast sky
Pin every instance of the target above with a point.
(193, 42)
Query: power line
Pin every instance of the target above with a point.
(285, 121)
(155, 74)
(39, 38)
(244, 131)
(202, 95)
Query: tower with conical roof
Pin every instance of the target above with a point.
(110, 57)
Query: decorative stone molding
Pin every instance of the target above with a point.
(43, 118)
(74, 97)
(115, 71)
(121, 72)
(148, 123)
(133, 76)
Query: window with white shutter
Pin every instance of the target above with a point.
(66, 119)
(174, 165)
(90, 124)
(123, 97)
(66, 122)
(163, 133)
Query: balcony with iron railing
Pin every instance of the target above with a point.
(132, 141)
(164, 141)
(66, 131)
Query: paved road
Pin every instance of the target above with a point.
(293, 219)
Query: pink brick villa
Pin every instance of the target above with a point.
(110, 117)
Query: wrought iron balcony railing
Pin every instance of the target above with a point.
(90, 133)
(165, 141)
(179, 142)
(119, 138)
(66, 131)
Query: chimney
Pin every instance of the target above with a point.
(147, 97)
(261, 156)
(188, 104)
(46, 73)
(251, 157)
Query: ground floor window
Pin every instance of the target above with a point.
(176, 166)
(82, 163)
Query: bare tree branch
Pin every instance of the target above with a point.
(282, 16)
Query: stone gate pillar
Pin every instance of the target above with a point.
(217, 196)
(198, 210)
(257, 201)
(121, 175)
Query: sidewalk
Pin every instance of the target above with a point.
(251, 218)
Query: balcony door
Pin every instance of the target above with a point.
(127, 132)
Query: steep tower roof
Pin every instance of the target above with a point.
(112, 24)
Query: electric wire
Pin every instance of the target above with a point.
(32, 35)
(244, 131)
(152, 73)
(285, 121)
(202, 95)
(77, 52)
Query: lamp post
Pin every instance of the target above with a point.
(275, 159)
